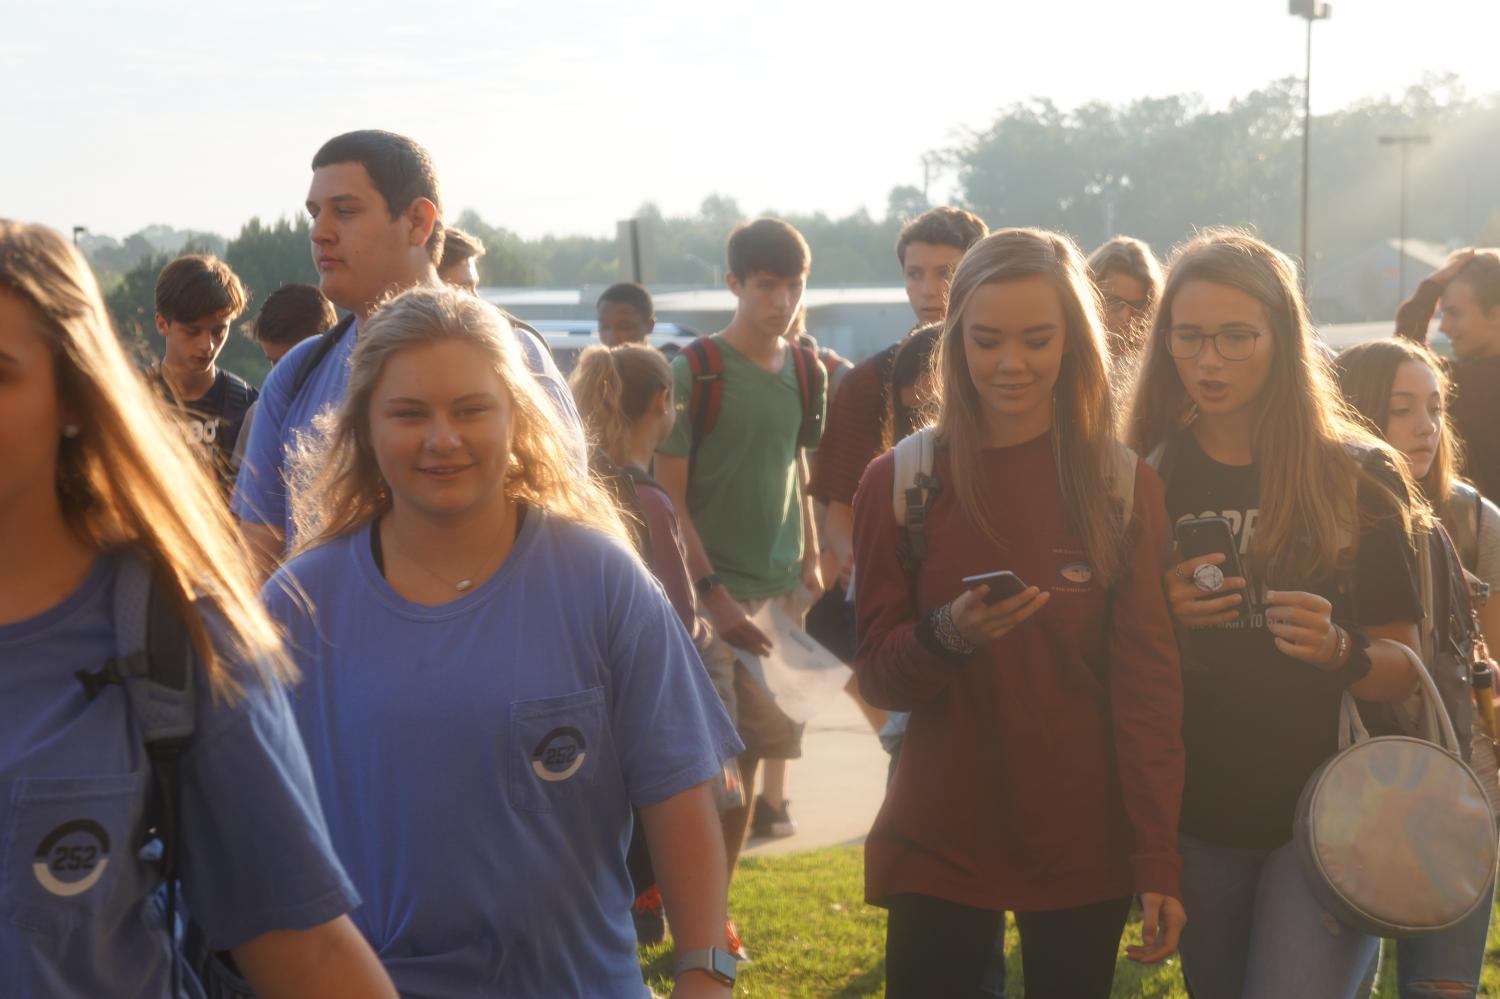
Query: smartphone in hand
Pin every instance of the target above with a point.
(1003, 584)
(1208, 535)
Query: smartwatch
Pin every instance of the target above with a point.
(706, 583)
(719, 965)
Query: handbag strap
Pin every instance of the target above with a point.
(1433, 722)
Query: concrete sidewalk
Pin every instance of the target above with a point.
(837, 786)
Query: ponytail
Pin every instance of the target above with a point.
(612, 388)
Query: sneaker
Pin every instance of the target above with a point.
(736, 948)
(771, 823)
(650, 918)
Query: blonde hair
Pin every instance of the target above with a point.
(128, 479)
(337, 487)
(1303, 430)
(613, 387)
(1084, 415)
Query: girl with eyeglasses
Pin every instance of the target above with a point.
(1236, 407)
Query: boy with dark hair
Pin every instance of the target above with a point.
(928, 249)
(376, 208)
(1468, 289)
(459, 264)
(626, 314)
(291, 314)
(197, 298)
(736, 480)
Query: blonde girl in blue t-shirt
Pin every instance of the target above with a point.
(95, 486)
(493, 680)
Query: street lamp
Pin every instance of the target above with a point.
(78, 230)
(1403, 142)
(1310, 10)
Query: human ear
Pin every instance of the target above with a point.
(162, 326)
(422, 215)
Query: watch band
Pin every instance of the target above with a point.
(717, 964)
(706, 583)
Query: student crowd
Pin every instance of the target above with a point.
(424, 671)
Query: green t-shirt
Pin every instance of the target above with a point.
(744, 495)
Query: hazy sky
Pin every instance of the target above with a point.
(564, 115)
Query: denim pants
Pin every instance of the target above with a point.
(1454, 956)
(1255, 931)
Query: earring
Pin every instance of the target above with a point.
(70, 430)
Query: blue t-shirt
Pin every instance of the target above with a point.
(260, 495)
(77, 913)
(478, 760)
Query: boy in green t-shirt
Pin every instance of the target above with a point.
(745, 515)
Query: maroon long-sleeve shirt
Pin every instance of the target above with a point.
(1045, 771)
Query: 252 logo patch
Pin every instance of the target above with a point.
(71, 858)
(559, 755)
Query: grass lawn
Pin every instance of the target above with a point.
(812, 936)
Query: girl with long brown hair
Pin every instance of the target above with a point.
(1041, 768)
(487, 665)
(1236, 407)
(103, 511)
(1402, 391)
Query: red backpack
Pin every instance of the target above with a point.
(706, 363)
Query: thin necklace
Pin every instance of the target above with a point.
(462, 585)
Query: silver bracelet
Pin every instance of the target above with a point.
(947, 633)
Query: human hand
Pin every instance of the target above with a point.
(732, 624)
(1162, 920)
(1194, 608)
(1450, 270)
(1302, 624)
(980, 623)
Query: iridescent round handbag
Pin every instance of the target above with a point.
(1395, 834)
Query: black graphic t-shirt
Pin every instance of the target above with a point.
(211, 423)
(1257, 723)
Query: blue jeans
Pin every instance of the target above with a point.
(1255, 931)
(1446, 964)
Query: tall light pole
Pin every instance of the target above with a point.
(1403, 142)
(1310, 10)
(78, 230)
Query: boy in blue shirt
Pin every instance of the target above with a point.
(376, 229)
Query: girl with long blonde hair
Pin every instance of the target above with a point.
(1041, 768)
(103, 511)
(1236, 407)
(486, 668)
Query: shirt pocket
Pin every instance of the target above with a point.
(70, 846)
(556, 745)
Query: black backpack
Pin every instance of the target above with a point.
(621, 484)
(157, 665)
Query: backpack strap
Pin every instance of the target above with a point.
(156, 663)
(236, 395)
(706, 364)
(1466, 526)
(912, 490)
(811, 380)
(326, 343)
(1123, 463)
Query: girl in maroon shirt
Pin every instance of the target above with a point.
(1042, 768)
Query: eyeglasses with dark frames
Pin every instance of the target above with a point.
(1231, 345)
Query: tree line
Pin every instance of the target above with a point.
(1155, 168)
